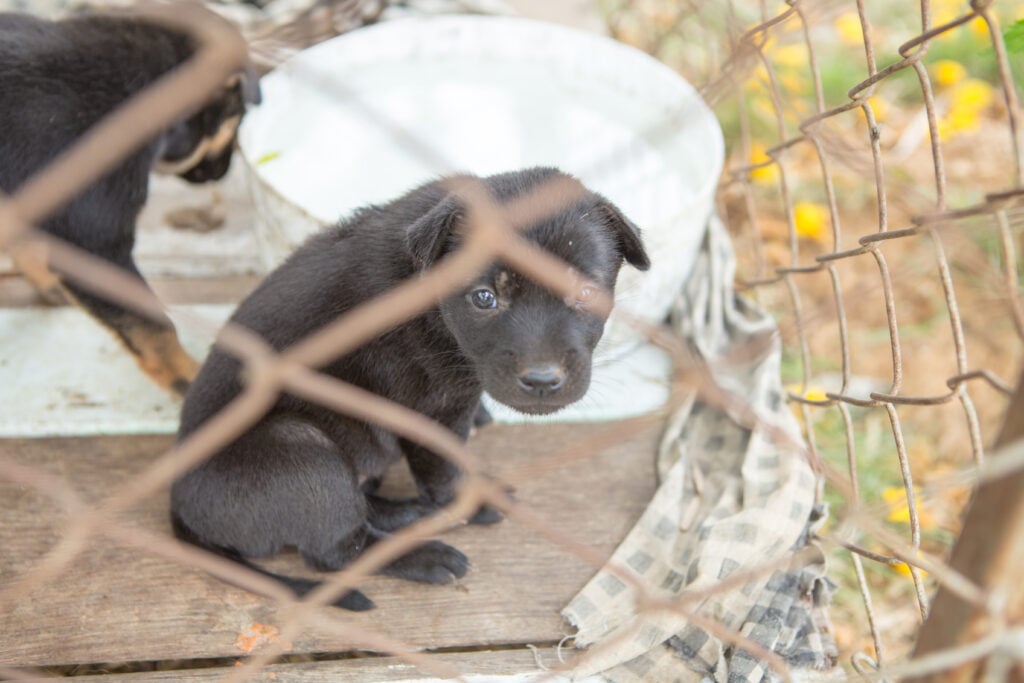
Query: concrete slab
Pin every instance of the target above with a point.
(62, 374)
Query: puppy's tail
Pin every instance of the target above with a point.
(354, 600)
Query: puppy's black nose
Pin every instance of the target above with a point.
(541, 379)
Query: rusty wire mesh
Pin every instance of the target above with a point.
(910, 231)
(742, 46)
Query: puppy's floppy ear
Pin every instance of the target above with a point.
(627, 235)
(248, 83)
(427, 238)
(251, 85)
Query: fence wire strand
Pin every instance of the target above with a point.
(936, 221)
(721, 70)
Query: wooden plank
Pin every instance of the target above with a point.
(377, 669)
(117, 604)
(16, 292)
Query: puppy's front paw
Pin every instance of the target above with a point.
(432, 562)
(486, 515)
(354, 601)
(489, 515)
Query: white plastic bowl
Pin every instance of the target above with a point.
(367, 116)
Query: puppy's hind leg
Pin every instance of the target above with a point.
(153, 343)
(32, 261)
(345, 525)
(353, 600)
(284, 483)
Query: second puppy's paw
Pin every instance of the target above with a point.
(432, 562)
(486, 515)
(355, 601)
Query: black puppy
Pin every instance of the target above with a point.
(57, 79)
(306, 476)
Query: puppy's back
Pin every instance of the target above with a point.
(57, 79)
(334, 271)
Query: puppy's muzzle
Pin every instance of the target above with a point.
(541, 380)
(211, 148)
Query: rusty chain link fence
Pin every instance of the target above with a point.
(881, 235)
(880, 223)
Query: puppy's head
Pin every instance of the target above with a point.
(532, 348)
(199, 148)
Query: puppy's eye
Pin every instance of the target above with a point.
(483, 298)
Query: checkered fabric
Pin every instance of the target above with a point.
(731, 498)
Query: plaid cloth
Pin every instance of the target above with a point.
(730, 499)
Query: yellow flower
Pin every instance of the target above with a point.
(765, 174)
(811, 393)
(879, 107)
(815, 394)
(899, 510)
(945, 11)
(973, 93)
(791, 83)
(962, 119)
(967, 101)
(979, 28)
(948, 73)
(810, 220)
(904, 570)
(763, 106)
(758, 79)
(848, 29)
(790, 56)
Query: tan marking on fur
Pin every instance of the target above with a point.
(182, 165)
(224, 135)
(160, 355)
(33, 261)
(504, 287)
(208, 147)
(158, 352)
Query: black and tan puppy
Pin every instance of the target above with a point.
(57, 79)
(305, 476)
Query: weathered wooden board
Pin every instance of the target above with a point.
(16, 292)
(491, 664)
(117, 604)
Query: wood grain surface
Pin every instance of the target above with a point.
(360, 670)
(118, 604)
